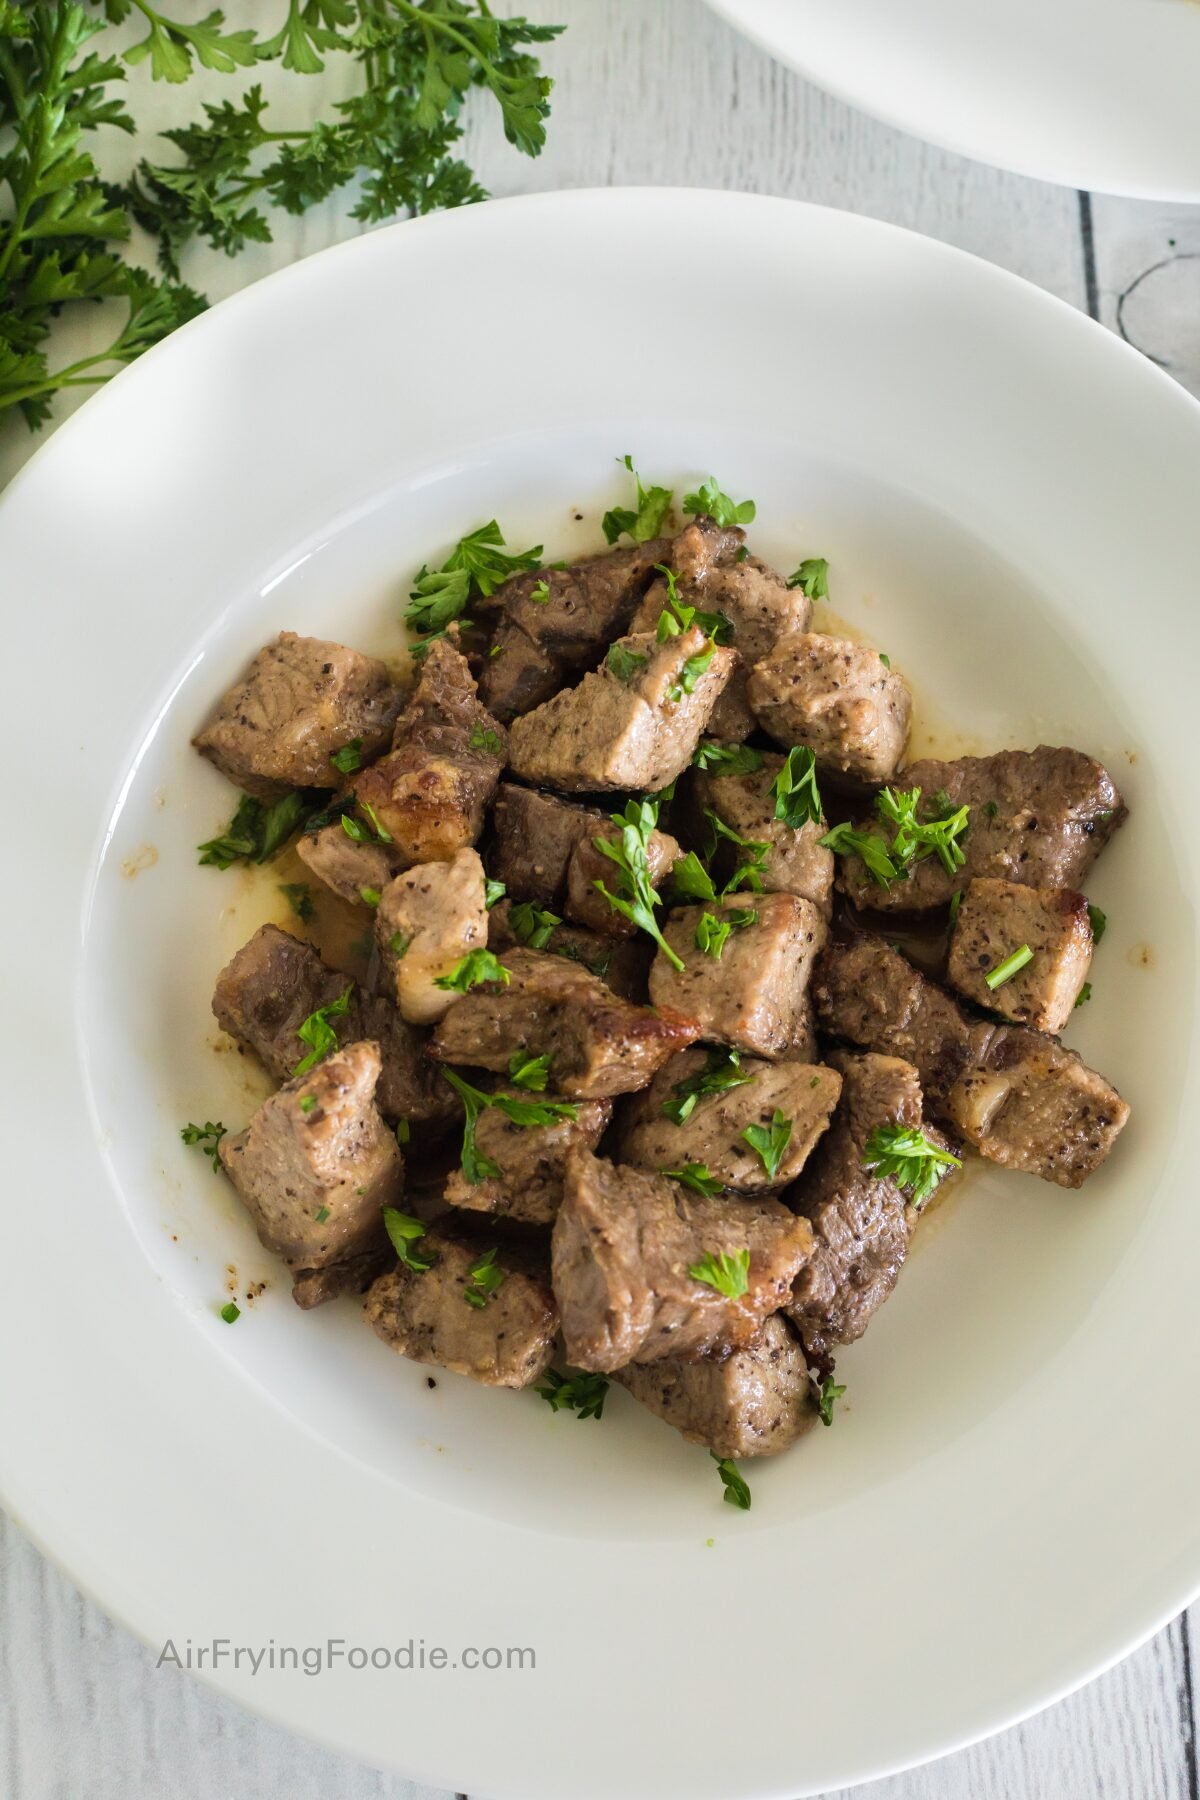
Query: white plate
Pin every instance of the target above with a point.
(1095, 93)
(1007, 497)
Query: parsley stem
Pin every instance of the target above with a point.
(1009, 967)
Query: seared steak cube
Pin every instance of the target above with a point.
(599, 1045)
(861, 1221)
(275, 982)
(754, 1402)
(998, 919)
(754, 996)
(585, 904)
(534, 836)
(713, 1133)
(621, 963)
(353, 1275)
(302, 701)
(427, 921)
(796, 861)
(530, 1158)
(632, 724)
(623, 1246)
(347, 867)
(444, 712)
(1039, 817)
(839, 698)
(554, 624)
(316, 1164)
(506, 1342)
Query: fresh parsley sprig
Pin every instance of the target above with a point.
(476, 966)
(913, 839)
(828, 1395)
(797, 797)
(533, 925)
(645, 520)
(737, 1491)
(405, 1233)
(719, 507)
(257, 830)
(728, 1271)
(770, 1142)
(474, 569)
(907, 1156)
(728, 759)
(722, 1072)
(812, 578)
(205, 1137)
(319, 1033)
(636, 896)
(523, 1113)
(582, 1394)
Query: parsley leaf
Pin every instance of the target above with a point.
(676, 615)
(405, 1232)
(906, 1156)
(317, 1031)
(830, 1394)
(1098, 921)
(721, 1072)
(581, 1393)
(637, 896)
(692, 669)
(372, 832)
(348, 758)
(812, 577)
(1085, 994)
(533, 925)
(719, 507)
(476, 966)
(624, 662)
(868, 846)
(690, 880)
(696, 1176)
(529, 1071)
(728, 1271)
(490, 742)
(711, 934)
(737, 1492)
(484, 1277)
(474, 569)
(916, 839)
(770, 1142)
(524, 1113)
(646, 520)
(728, 759)
(206, 1138)
(298, 895)
(475, 1167)
(492, 891)
(797, 798)
(231, 1312)
(539, 593)
(748, 873)
(257, 830)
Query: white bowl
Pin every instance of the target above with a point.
(1008, 1499)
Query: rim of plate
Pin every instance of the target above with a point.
(152, 1517)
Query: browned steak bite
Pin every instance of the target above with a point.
(861, 1222)
(426, 922)
(754, 1402)
(554, 624)
(347, 867)
(715, 572)
(534, 836)
(1039, 817)
(430, 793)
(302, 701)
(622, 1248)
(507, 1341)
(586, 905)
(999, 920)
(633, 724)
(796, 861)
(754, 995)
(354, 1275)
(839, 698)
(621, 963)
(1018, 1097)
(530, 1159)
(316, 1164)
(598, 1044)
(275, 982)
(713, 1133)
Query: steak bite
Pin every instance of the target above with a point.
(534, 836)
(302, 701)
(621, 963)
(585, 904)
(796, 861)
(508, 1341)
(430, 793)
(530, 1160)
(861, 1221)
(632, 724)
(754, 1402)
(552, 625)
(1018, 1097)
(1038, 817)
(276, 981)
(347, 867)
(754, 995)
(998, 919)
(426, 921)
(316, 1164)
(839, 698)
(623, 1244)
(599, 1044)
(713, 1133)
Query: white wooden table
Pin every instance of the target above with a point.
(653, 92)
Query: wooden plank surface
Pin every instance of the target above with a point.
(659, 93)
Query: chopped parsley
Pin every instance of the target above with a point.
(844, 840)
(257, 830)
(885, 660)
(206, 1138)
(690, 880)
(319, 1034)
(728, 1271)
(372, 832)
(539, 593)
(298, 895)
(348, 758)
(492, 891)
(370, 896)
(307, 1102)
(1012, 965)
(955, 903)
(645, 521)
(405, 1233)
(712, 933)
(913, 840)
(475, 568)
(737, 1491)
(1098, 921)
(403, 1132)
(484, 1277)
(231, 1312)
(677, 616)
(398, 944)
(531, 1072)
(1085, 994)
(812, 578)
(321, 1214)
(476, 967)
(697, 1176)
(719, 507)
(831, 1393)
(581, 1394)
(721, 1072)
(797, 799)
(748, 873)
(533, 925)
(482, 738)
(770, 1142)
(636, 896)
(692, 670)
(907, 1157)
(728, 759)
(623, 662)
(525, 1113)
